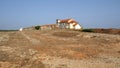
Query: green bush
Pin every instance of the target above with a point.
(87, 30)
(37, 27)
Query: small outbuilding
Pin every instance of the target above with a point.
(48, 27)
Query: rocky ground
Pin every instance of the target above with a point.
(59, 49)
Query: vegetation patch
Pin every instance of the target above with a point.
(7, 30)
(87, 30)
(37, 27)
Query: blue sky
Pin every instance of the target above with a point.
(89, 13)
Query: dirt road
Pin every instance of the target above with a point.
(59, 49)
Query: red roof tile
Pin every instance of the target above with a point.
(68, 21)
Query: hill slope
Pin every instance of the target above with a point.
(59, 49)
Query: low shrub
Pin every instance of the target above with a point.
(87, 30)
(37, 27)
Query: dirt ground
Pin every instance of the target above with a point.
(59, 49)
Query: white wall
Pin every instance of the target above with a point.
(78, 27)
(71, 26)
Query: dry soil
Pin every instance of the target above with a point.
(59, 49)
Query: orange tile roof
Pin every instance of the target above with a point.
(69, 21)
(75, 24)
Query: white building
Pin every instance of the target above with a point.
(68, 24)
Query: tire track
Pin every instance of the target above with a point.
(32, 40)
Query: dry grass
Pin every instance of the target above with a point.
(65, 34)
(59, 49)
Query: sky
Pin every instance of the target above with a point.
(15, 14)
